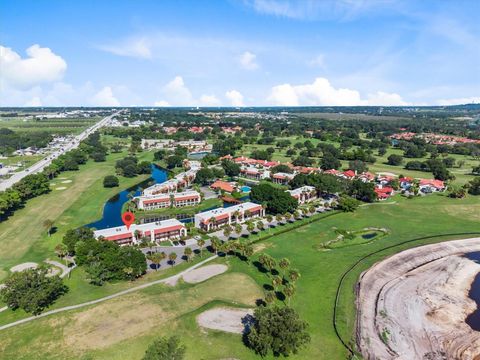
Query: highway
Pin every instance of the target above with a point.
(40, 165)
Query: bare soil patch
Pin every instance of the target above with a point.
(24, 266)
(203, 273)
(224, 319)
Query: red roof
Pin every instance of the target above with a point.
(154, 201)
(406, 179)
(384, 190)
(222, 185)
(119, 237)
(189, 197)
(167, 229)
(278, 176)
(434, 183)
(332, 172)
(349, 173)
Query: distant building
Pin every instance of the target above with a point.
(282, 178)
(156, 232)
(304, 194)
(159, 201)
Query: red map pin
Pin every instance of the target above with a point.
(128, 218)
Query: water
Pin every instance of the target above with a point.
(198, 155)
(112, 209)
(245, 189)
(473, 320)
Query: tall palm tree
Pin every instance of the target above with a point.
(238, 229)
(269, 218)
(260, 225)
(201, 243)
(289, 291)
(61, 250)
(227, 232)
(269, 297)
(248, 251)
(172, 257)
(212, 221)
(294, 275)
(236, 214)
(276, 282)
(156, 258)
(250, 227)
(188, 253)
(284, 264)
(48, 225)
(215, 243)
(278, 217)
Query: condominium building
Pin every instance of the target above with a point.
(159, 201)
(155, 231)
(216, 218)
(304, 194)
(282, 178)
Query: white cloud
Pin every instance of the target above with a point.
(318, 61)
(247, 61)
(235, 98)
(161, 103)
(131, 47)
(460, 101)
(322, 93)
(209, 100)
(177, 92)
(105, 97)
(41, 66)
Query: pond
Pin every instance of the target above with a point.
(473, 320)
(112, 209)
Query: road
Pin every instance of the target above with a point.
(40, 165)
(124, 292)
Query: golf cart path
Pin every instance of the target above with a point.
(113, 296)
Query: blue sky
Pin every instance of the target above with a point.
(239, 52)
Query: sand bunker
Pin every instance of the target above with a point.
(60, 188)
(24, 266)
(224, 319)
(66, 181)
(413, 305)
(204, 273)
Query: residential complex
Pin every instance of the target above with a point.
(215, 218)
(304, 194)
(180, 181)
(155, 231)
(162, 200)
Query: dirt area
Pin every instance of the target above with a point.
(224, 319)
(24, 266)
(413, 305)
(203, 273)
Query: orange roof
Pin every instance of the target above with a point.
(154, 201)
(222, 185)
(119, 237)
(188, 197)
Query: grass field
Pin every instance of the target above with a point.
(123, 328)
(77, 198)
(54, 126)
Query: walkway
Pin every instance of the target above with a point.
(109, 297)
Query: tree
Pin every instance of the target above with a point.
(215, 243)
(156, 258)
(204, 176)
(358, 166)
(32, 290)
(201, 243)
(293, 275)
(278, 330)
(172, 257)
(276, 200)
(238, 229)
(110, 181)
(276, 281)
(73, 236)
(347, 204)
(227, 231)
(284, 264)
(250, 227)
(174, 161)
(48, 225)
(395, 160)
(474, 186)
(270, 297)
(61, 250)
(289, 291)
(231, 168)
(329, 161)
(188, 252)
(165, 349)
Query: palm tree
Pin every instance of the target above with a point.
(248, 251)
(48, 224)
(289, 291)
(260, 225)
(236, 214)
(188, 253)
(269, 297)
(227, 232)
(296, 214)
(156, 258)
(250, 227)
(238, 229)
(284, 264)
(213, 221)
(288, 216)
(269, 218)
(172, 257)
(279, 217)
(215, 243)
(61, 250)
(201, 243)
(276, 281)
(294, 275)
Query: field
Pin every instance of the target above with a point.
(54, 126)
(114, 329)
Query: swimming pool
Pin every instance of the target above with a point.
(245, 188)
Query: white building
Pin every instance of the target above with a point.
(159, 201)
(180, 181)
(216, 218)
(304, 194)
(155, 231)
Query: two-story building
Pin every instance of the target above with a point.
(216, 218)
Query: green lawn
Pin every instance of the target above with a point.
(76, 199)
(136, 320)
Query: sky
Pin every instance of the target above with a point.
(239, 52)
